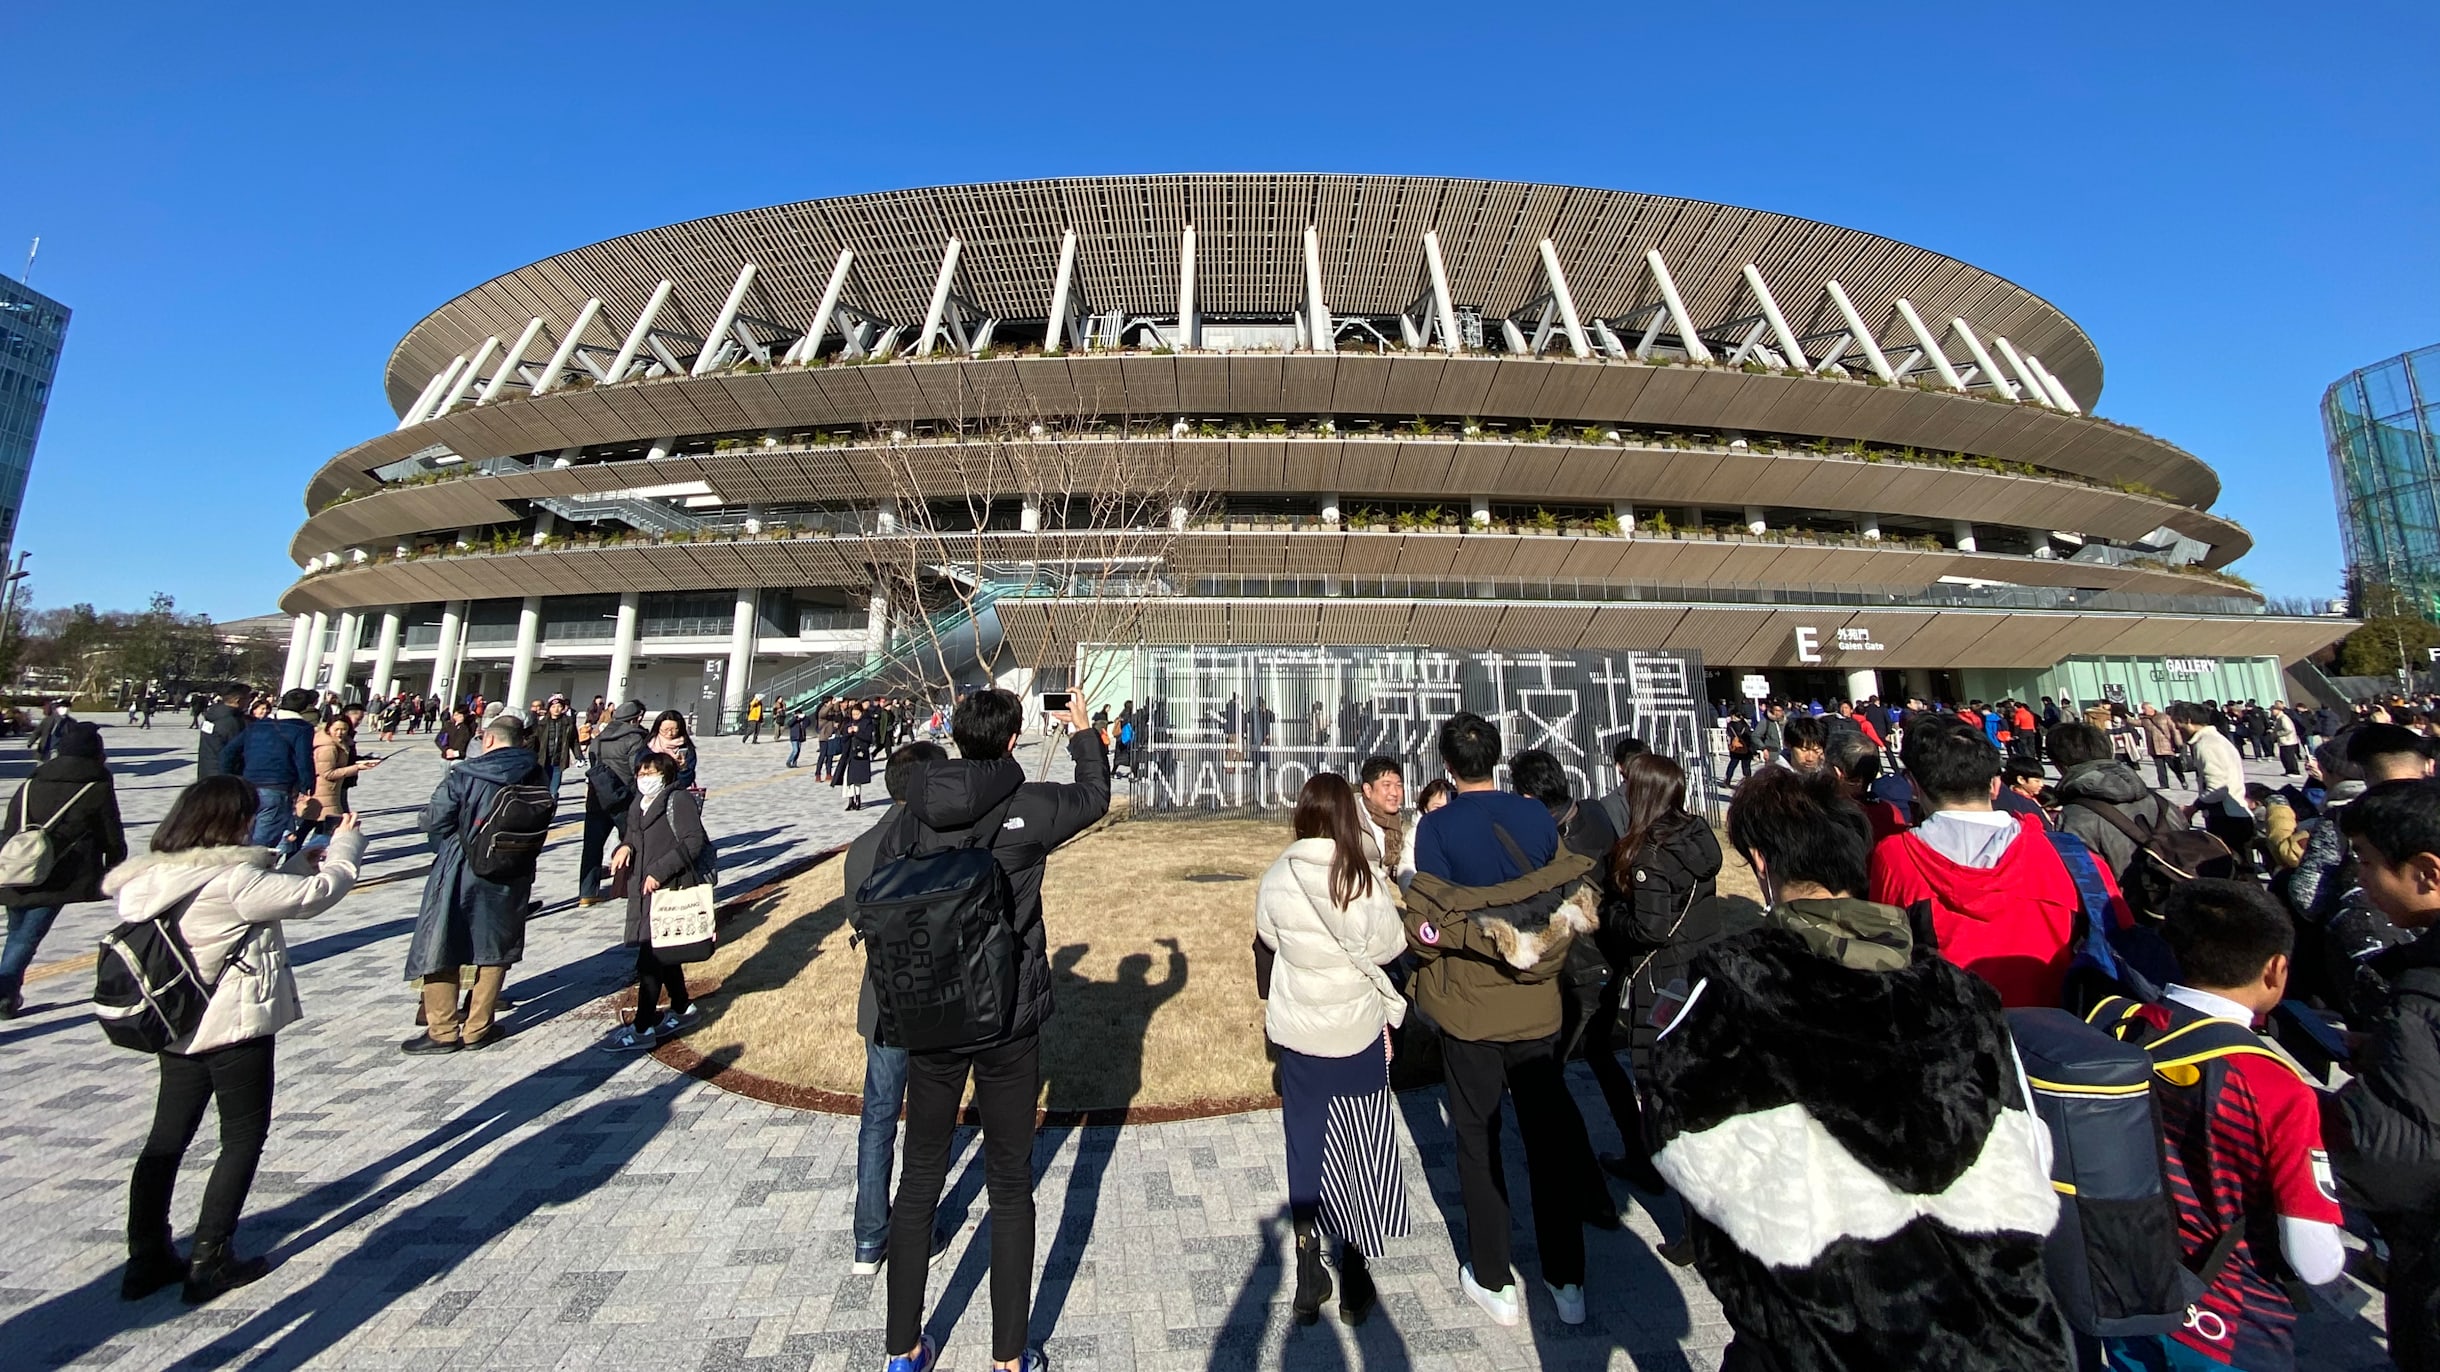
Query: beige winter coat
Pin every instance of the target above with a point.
(235, 892)
(1329, 996)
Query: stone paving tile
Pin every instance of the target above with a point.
(543, 1205)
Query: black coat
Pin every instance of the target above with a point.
(86, 838)
(222, 723)
(667, 839)
(860, 744)
(465, 920)
(1670, 912)
(2383, 1127)
(947, 798)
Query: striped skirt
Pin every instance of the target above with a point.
(1342, 1136)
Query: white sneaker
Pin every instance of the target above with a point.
(865, 1267)
(1570, 1300)
(1501, 1305)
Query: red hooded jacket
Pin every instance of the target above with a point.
(2012, 924)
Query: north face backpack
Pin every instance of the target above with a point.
(507, 841)
(2167, 856)
(148, 992)
(939, 929)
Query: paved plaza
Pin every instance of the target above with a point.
(540, 1204)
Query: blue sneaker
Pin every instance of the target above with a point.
(919, 1361)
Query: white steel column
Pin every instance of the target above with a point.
(385, 657)
(1982, 358)
(445, 652)
(810, 343)
(510, 361)
(2058, 391)
(1190, 329)
(309, 675)
(877, 624)
(1869, 525)
(637, 335)
(343, 649)
(1438, 271)
(568, 344)
(424, 409)
(1677, 306)
(1330, 508)
(717, 338)
(938, 310)
(424, 398)
(294, 672)
(1566, 300)
(1029, 514)
(1779, 322)
(1319, 329)
(1062, 285)
(1964, 530)
(622, 647)
(529, 647)
(1756, 522)
(1482, 512)
(1624, 512)
(2017, 364)
(466, 378)
(1855, 326)
(741, 656)
(1930, 346)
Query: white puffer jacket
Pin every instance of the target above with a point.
(235, 891)
(1329, 996)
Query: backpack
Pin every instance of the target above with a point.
(1126, 734)
(940, 936)
(2107, 960)
(28, 856)
(507, 841)
(148, 992)
(2166, 857)
(2114, 1261)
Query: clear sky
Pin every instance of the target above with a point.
(247, 205)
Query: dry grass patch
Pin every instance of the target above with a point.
(1150, 926)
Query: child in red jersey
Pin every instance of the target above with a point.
(2243, 1129)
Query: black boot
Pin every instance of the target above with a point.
(1312, 1279)
(1357, 1295)
(216, 1270)
(151, 1265)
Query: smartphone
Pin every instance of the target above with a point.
(1056, 702)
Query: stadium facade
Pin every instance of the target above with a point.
(1401, 430)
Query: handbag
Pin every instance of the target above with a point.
(682, 924)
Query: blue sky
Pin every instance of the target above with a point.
(246, 206)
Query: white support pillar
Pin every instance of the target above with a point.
(741, 657)
(424, 409)
(1438, 270)
(1982, 358)
(1756, 522)
(309, 675)
(660, 449)
(2016, 364)
(938, 310)
(343, 649)
(1190, 329)
(622, 647)
(425, 397)
(1029, 515)
(1788, 344)
(529, 650)
(635, 336)
(509, 362)
(1855, 327)
(294, 673)
(446, 650)
(1481, 518)
(1930, 346)
(1178, 515)
(1624, 512)
(2058, 391)
(566, 351)
(385, 656)
(1330, 508)
(1869, 525)
(809, 344)
(1063, 285)
(466, 379)
(716, 336)
(1677, 306)
(1964, 533)
(877, 624)
(1863, 683)
(1319, 329)
(1569, 320)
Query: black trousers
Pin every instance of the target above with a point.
(599, 826)
(239, 1077)
(1478, 1075)
(651, 976)
(2162, 763)
(1007, 1078)
(2413, 1295)
(1604, 1037)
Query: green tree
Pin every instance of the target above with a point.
(2395, 633)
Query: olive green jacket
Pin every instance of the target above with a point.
(1488, 957)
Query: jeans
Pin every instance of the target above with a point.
(1007, 1078)
(652, 976)
(274, 807)
(26, 926)
(239, 1076)
(552, 776)
(885, 1094)
(795, 747)
(1478, 1074)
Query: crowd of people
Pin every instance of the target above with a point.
(1823, 1096)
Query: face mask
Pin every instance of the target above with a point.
(648, 787)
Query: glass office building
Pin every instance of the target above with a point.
(2381, 423)
(32, 328)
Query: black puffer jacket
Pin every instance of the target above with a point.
(1672, 912)
(2383, 1127)
(86, 838)
(2111, 782)
(947, 798)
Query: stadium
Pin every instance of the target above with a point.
(1303, 459)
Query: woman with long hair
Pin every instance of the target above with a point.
(228, 902)
(1330, 912)
(669, 739)
(1665, 868)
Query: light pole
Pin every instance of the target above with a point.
(8, 602)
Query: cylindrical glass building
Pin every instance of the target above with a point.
(2380, 422)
